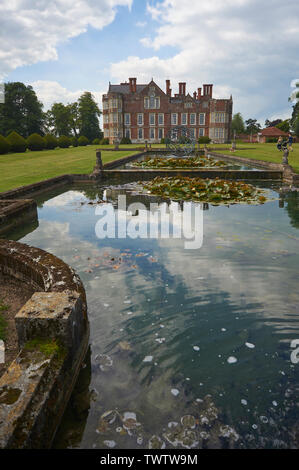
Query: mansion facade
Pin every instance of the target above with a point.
(147, 113)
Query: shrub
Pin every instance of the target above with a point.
(35, 142)
(271, 140)
(162, 141)
(96, 141)
(126, 141)
(51, 141)
(17, 143)
(64, 142)
(4, 145)
(82, 141)
(104, 141)
(74, 141)
(204, 139)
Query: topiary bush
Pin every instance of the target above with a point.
(82, 141)
(64, 142)
(125, 140)
(36, 142)
(4, 145)
(17, 142)
(104, 141)
(51, 142)
(74, 141)
(96, 141)
(204, 139)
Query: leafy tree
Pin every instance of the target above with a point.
(252, 126)
(21, 112)
(4, 145)
(284, 125)
(272, 123)
(59, 120)
(17, 142)
(296, 127)
(36, 142)
(88, 116)
(237, 125)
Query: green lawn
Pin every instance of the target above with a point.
(19, 169)
(266, 152)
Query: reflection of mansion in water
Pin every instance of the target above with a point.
(145, 112)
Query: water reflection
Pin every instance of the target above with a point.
(166, 323)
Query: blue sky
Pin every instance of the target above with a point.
(247, 48)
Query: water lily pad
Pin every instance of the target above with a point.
(156, 442)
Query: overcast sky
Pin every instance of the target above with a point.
(247, 48)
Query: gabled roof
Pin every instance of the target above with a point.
(273, 132)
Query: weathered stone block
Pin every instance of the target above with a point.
(52, 315)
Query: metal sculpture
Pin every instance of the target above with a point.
(180, 141)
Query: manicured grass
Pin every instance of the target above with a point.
(266, 152)
(20, 169)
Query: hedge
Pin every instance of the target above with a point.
(4, 145)
(17, 143)
(51, 141)
(82, 141)
(64, 142)
(36, 142)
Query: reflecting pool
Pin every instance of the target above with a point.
(189, 348)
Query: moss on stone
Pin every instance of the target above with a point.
(46, 347)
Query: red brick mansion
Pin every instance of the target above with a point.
(145, 112)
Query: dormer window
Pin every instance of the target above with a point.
(152, 102)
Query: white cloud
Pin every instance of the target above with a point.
(245, 47)
(49, 92)
(30, 30)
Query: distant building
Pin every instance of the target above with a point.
(147, 113)
(270, 133)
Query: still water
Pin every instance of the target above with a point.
(188, 348)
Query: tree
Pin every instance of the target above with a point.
(59, 120)
(4, 145)
(237, 125)
(88, 116)
(296, 127)
(284, 125)
(21, 112)
(295, 113)
(272, 123)
(252, 126)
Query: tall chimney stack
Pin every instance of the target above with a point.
(168, 89)
(198, 93)
(194, 95)
(182, 88)
(208, 90)
(133, 85)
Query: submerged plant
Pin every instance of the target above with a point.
(205, 190)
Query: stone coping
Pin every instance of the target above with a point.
(53, 336)
(288, 173)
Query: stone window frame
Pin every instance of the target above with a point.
(152, 130)
(161, 123)
(204, 119)
(128, 133)
(150, 119)
(161, 130)
(127, 121)
(140, 133)
(176, 119)
(142, 119)
(194, 119)
(186, 120)
(201, 132)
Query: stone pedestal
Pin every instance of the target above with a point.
(98, 169)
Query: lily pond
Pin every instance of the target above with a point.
(189, 348)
